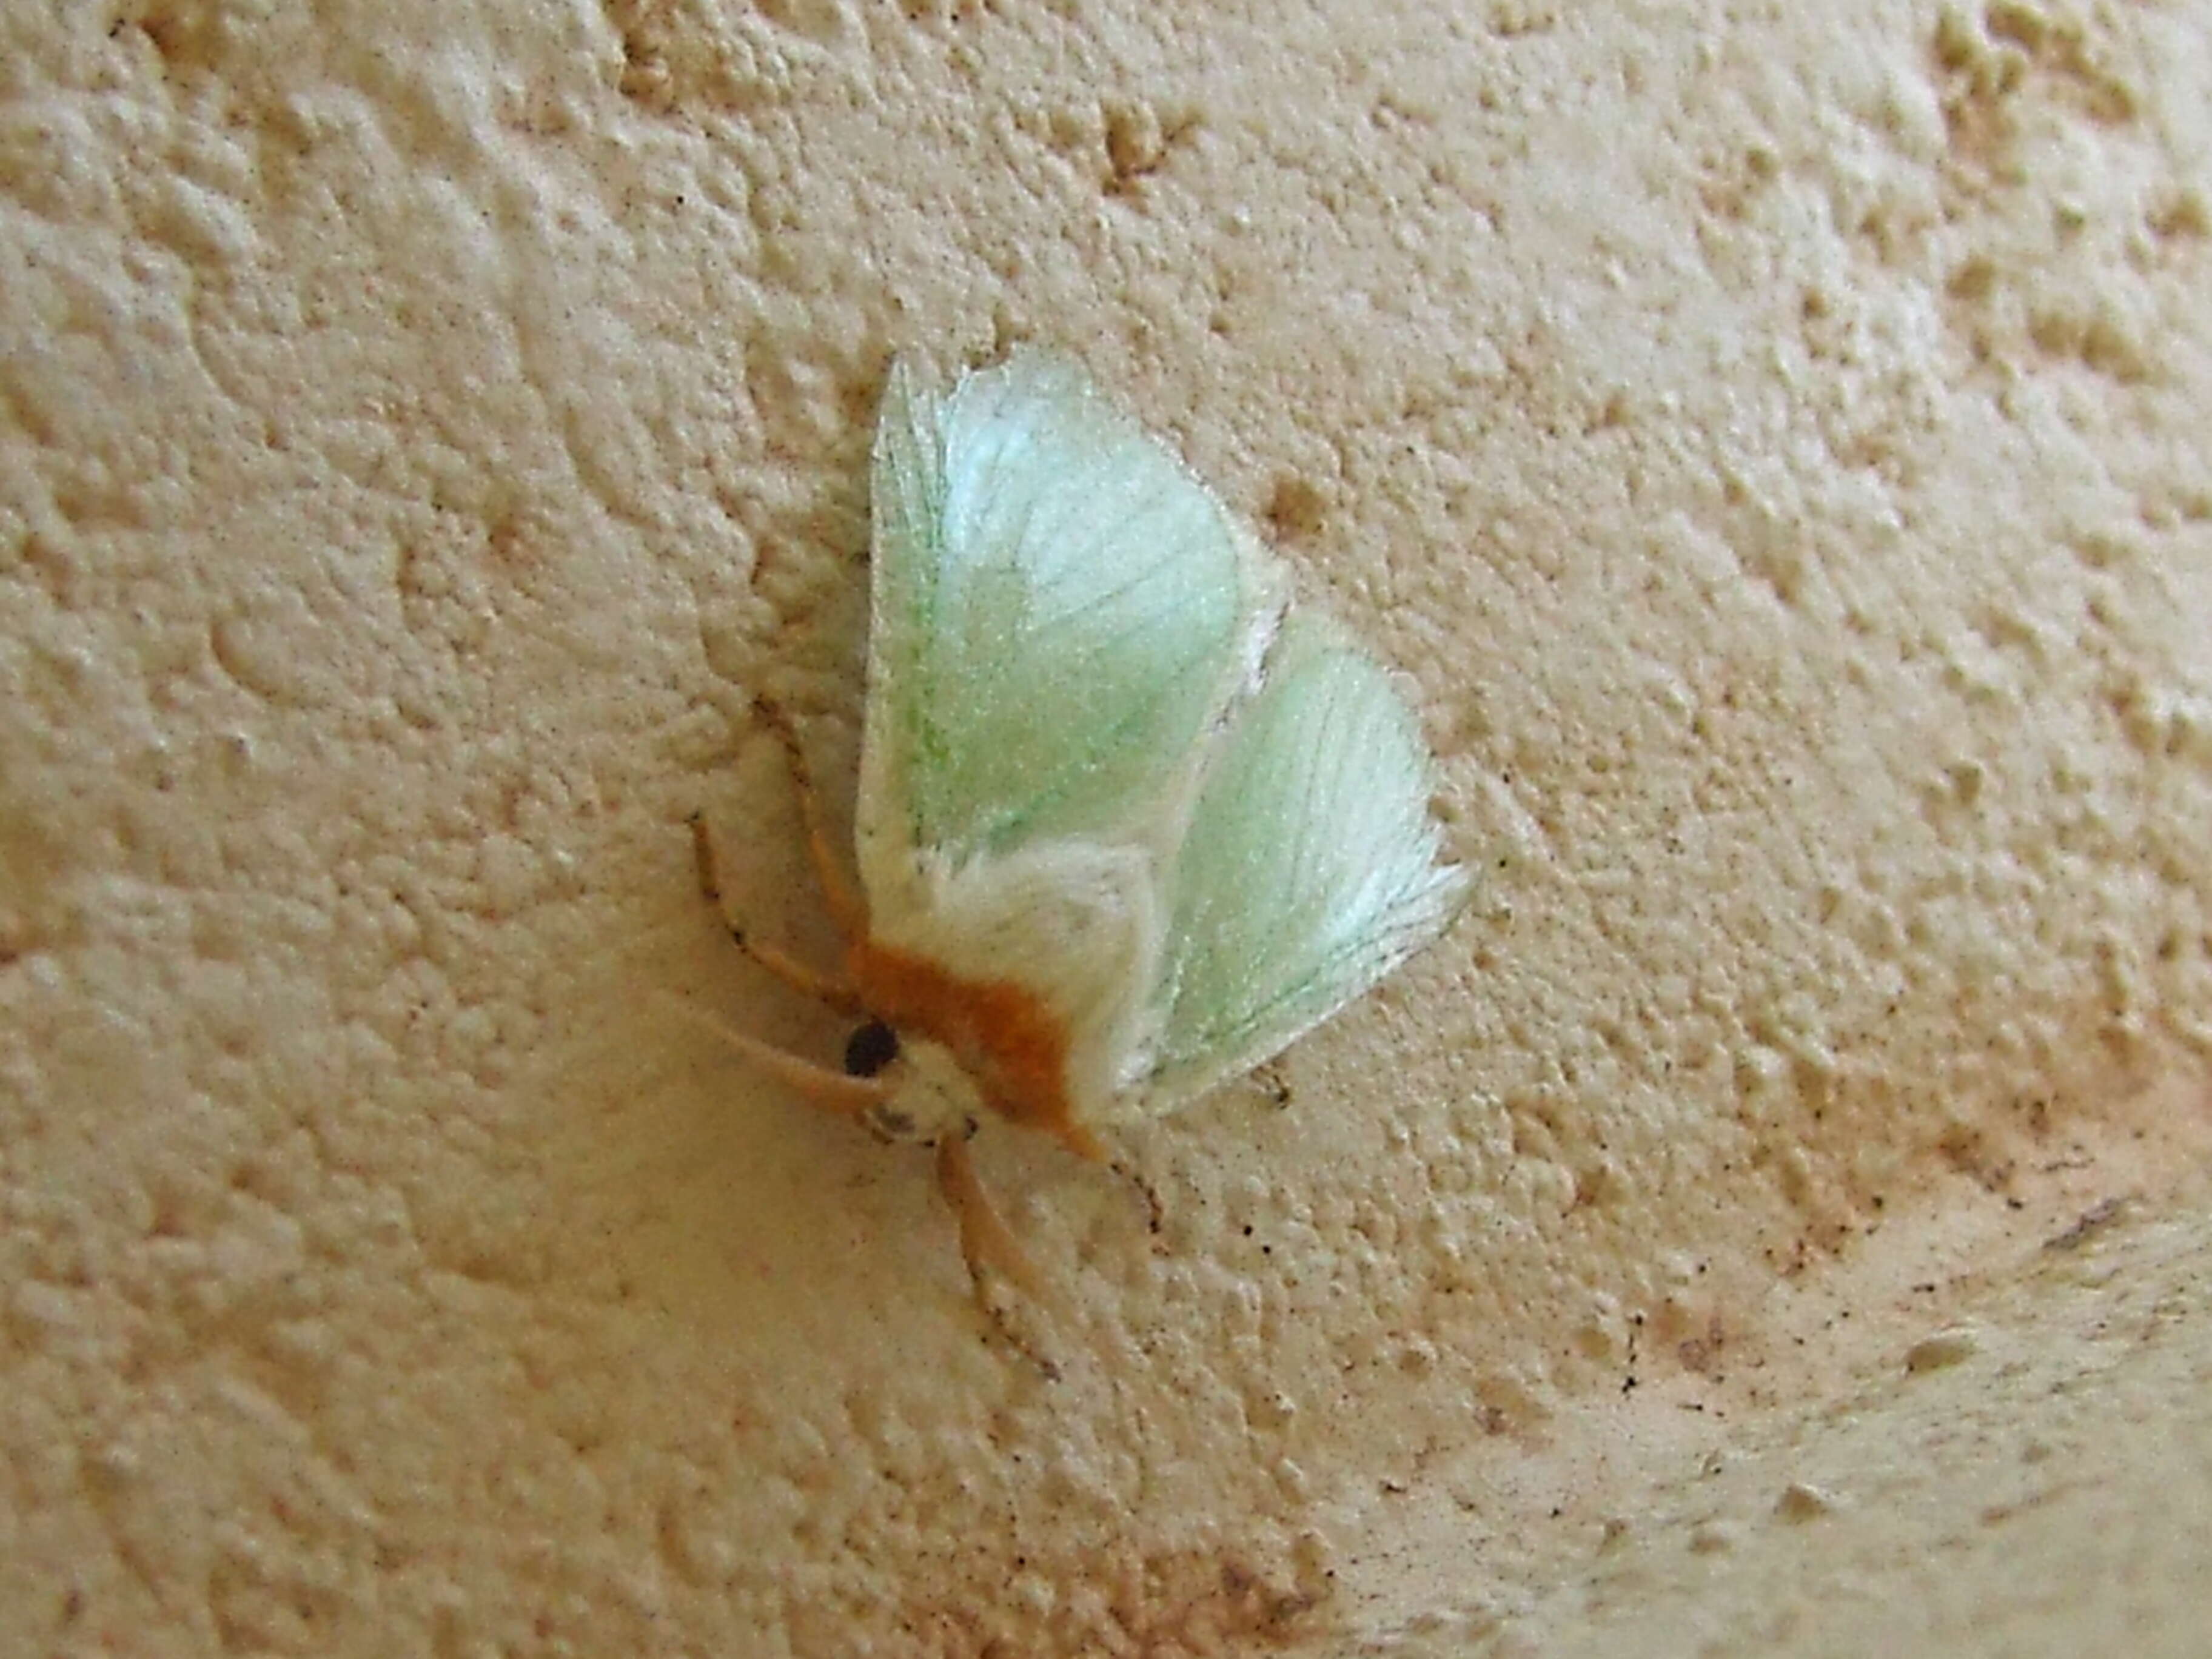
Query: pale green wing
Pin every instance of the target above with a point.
(1310, 869)
(1062, 613)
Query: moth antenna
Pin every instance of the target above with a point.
(825, 1089)
(847, 907)
(808, 981)
(987, 1244)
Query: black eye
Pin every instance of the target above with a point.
(870, 1049)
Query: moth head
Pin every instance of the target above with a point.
(930, 1095)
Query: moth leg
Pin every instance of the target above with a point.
(987, 1242)
(820, 1087)
(1272, 1081)
(1156, 1214)
(808, 981)
(847, 909)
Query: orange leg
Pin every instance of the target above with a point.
(985, 1240)
(845, 908)
(986, 1243)
(806, 981)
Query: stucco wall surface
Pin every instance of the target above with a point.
(2031, 1475)
(1774, 445)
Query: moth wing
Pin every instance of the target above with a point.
(1062, 613)
(1310, 869)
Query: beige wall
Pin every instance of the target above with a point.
(1778, 453)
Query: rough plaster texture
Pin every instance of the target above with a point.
(1775, 444)
(2031, 1476)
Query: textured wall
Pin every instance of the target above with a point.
(1775, 447)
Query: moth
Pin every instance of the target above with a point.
(1128, 822)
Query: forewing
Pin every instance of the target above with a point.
(1061, 612)
(1310, 869)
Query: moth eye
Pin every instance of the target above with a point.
(870, 1049)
